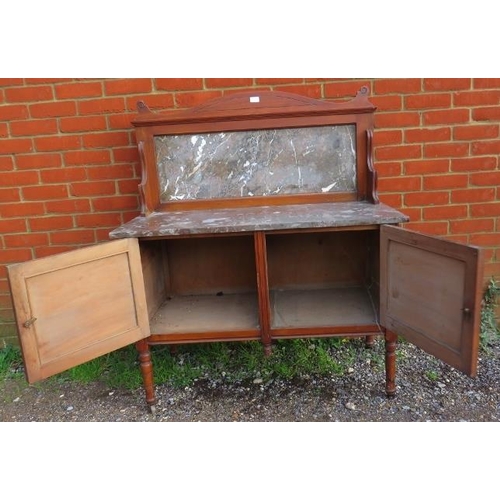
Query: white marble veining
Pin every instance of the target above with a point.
(265, 218)
(256, 163)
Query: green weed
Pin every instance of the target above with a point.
(230, 361)
(431, 375)
(240, 361)
(11, 362)
(490, 331)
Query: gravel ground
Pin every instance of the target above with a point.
(428, 390)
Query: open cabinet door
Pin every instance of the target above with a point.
(431, 291)
(75, 306)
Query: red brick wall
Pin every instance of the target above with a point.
(69, 167)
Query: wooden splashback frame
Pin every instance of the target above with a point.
(239, 112)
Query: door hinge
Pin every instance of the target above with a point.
(28, 323)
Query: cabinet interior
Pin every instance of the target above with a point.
(209, 284)
(201, 284)
(323, 279)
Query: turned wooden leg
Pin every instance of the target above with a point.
(369, 341)
(147, 373)
(390, 363)
(268, 350)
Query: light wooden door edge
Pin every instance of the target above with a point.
(75, 306)
(427, 307)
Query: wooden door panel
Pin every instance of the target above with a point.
(75, 306)
(431, 294)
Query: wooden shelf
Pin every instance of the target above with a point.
(207, 313)
(327, 307)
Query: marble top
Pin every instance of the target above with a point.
(262, 218)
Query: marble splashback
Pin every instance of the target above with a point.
(256, 163)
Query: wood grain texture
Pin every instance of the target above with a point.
(211, 265)
(207, 313)
(431, 294)
(78, 305)
(329, 307)
(242, 113)
(242, 106)
(155, 273)
(318, 260)
(263, 288)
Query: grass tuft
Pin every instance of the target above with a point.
(490, 331)
(229, 361)
(11, 362)
(239, 361)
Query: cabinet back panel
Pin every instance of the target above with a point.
(318, 260)
(211, 265)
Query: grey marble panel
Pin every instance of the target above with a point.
(256, 163)
(268, 218)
